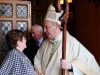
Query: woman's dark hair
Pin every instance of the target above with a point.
(13, 36)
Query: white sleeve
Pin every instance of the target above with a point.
(76, 71)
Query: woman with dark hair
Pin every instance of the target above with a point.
(16, 62)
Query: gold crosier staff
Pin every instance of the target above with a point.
(63, 19)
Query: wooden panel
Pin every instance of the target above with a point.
(84, 23)
(97, 34)
(92, 28)
(20, 18)
(78, 19)
(88, 26)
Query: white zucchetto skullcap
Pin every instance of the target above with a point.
(52, 15)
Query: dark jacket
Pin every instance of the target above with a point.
(31, 49)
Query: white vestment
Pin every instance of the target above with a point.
(76, 53)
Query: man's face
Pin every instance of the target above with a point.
(36, 34)
(49, 29)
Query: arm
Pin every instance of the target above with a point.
(82, 58)
(76, 71)
(73, 70)
(37, 63)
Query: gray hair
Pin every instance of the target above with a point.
(59, 26)
(39, 27)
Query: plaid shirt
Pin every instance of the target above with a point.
(16, 63)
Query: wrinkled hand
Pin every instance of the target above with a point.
(65, 64)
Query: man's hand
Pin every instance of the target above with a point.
(65, 64)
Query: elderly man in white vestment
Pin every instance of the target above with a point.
(48, 60)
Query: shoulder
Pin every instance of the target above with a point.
(46, 40)
(45, 44)
(16, 55)
(31, 41)
(12, 56)
(13, 53)
(72, 39)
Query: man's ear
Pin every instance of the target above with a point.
(57, 26)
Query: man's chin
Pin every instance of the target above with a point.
(49, 37)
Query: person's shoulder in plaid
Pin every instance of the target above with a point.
(16, 63)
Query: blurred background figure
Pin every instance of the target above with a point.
(34, 43)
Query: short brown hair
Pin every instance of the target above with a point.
(13, 36)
